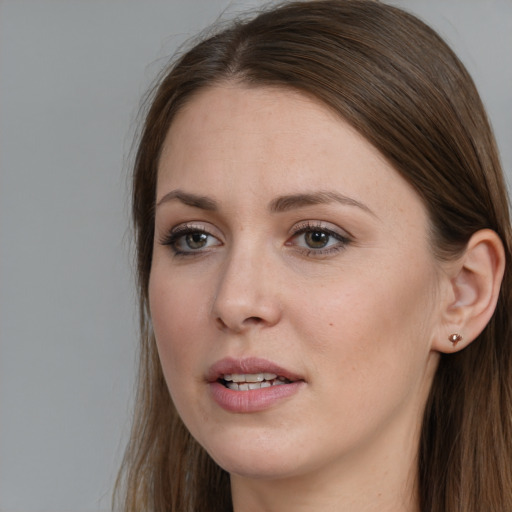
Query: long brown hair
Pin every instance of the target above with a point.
(394, 80)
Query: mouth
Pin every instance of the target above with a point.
(251, 385)
(251, 381)
(250, 373)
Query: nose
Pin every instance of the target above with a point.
(247, 293)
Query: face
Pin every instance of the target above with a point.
(293, 291)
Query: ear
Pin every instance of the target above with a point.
(472, 291)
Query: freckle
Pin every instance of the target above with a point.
(331, 324)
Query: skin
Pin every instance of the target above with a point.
(356, 320)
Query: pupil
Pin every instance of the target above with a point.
(196, 240)
(317, 239)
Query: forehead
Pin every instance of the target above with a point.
(233, 111)
(236, 120)
(233, 138)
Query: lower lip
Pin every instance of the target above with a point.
(253, 400)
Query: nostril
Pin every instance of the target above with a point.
(253, 320)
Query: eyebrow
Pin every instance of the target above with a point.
(196, 201)
(294, 201)
(278, 205)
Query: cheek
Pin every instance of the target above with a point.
(176, 313)
(368, 348)
(376, 323)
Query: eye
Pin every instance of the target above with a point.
(188, 240)
(317, 239)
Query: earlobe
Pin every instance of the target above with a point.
(475, 280)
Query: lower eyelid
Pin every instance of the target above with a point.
(323, 252)
(340, 244)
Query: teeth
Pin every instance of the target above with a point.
(250, 377)
(246, 386)
(259, 377)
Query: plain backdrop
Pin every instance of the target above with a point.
(72, 73)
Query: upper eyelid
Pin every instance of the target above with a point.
(339, 237)
(205, 227)
(183, 229)
(321, 226)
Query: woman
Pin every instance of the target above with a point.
(323, 236)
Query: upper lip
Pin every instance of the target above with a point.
(250, 365)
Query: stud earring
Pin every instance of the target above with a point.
(455, 338)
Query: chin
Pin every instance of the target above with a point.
(258, 470)
(255, 461)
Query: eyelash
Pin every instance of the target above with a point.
(175, 235)
(312, 227)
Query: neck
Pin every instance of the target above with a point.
(380, 478)
(309, 494)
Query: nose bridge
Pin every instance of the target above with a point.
(246, 291)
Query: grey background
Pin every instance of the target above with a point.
(72, 73)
